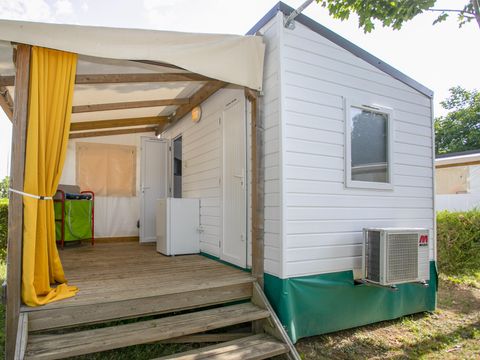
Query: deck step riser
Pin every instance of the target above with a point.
(60, 346)
(255, 347)
(110, 311)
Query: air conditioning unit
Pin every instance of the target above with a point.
(394, 256)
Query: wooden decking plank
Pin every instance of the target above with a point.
(255, 347)
(88, 314)
(114, 272)
(84, 342)
(132, 293)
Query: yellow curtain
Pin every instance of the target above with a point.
(52, 79)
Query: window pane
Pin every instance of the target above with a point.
(369, 148)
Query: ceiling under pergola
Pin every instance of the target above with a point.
(120, 96)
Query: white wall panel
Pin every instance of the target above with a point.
(324, 219)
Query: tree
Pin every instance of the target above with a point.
(4, 184)
(393, 13)
(459, 130)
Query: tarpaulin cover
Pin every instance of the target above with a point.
(78, 224)
(231, 58)
(319, 304)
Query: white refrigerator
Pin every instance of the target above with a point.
(178, 222)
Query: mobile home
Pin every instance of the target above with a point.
(457, 187)
(310, 162)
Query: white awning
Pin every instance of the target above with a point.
(231, 58)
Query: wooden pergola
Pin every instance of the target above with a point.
(88, 120)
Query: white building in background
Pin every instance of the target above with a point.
(457, 181)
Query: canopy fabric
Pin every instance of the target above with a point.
(52, 78)
(231, 58)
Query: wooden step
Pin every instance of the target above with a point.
(41, 319)
(48, 346)
(254, 347)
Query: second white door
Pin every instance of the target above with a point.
(154, 184)
(234, 243)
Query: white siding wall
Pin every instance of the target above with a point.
(202, 169)
(323, 219)
(270, 119)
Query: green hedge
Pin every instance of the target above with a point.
(3, 228)
(458, 242)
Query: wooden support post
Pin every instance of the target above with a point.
(15, 207)
(257, 191)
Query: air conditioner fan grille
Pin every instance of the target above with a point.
(402, 257)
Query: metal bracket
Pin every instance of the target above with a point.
(422, 283)
(388, 287)
(288, 21)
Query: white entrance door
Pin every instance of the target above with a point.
(153, 184)
(234, 243)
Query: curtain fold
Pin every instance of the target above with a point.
(52, 80)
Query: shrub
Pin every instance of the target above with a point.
(3, 228)
(458, 242)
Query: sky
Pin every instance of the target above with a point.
(439, 57)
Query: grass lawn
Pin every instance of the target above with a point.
(452, 332)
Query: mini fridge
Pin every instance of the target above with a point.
(178, 222)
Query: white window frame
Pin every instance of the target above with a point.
(349, 183)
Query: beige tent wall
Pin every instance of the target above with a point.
(114, 216)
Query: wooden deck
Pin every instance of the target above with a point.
(122, 280)
(129, 280)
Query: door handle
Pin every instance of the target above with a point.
(241, 177)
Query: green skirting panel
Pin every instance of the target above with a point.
(319, 304)
(216, 258)
(78, 220)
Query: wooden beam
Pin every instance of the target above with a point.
(256, 198)
(273, 325)
(15, 206)
(128, 105)
(22, 336)
(158, 63)
(120, 239)
(122, 78)
(137, 78)
(200, 96)
(207, 338)
(6, 102)
(89, 134)
(107, 124)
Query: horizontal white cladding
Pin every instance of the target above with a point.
(323, 219)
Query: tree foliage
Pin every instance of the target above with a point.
(459, 130)
(4, 184)
(394, 13)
